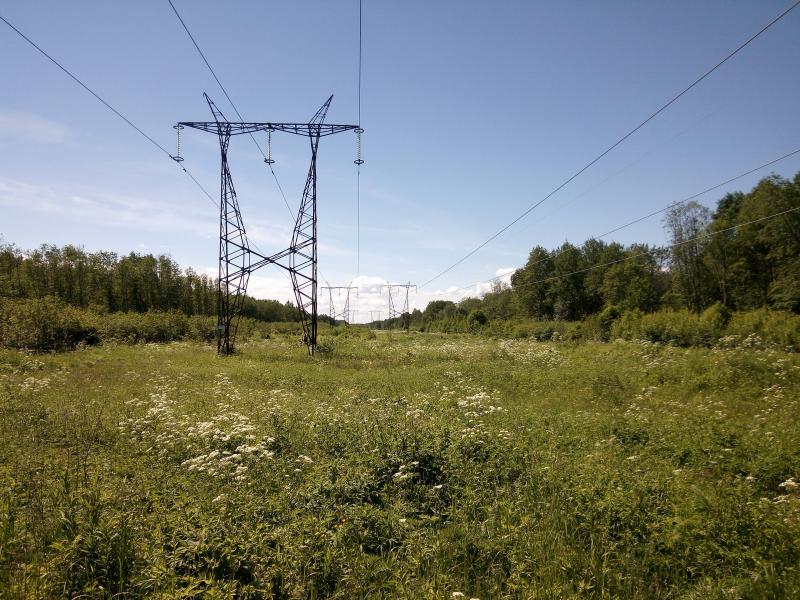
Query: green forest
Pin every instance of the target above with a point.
(735, 259)
(106, 283)
(732, 256)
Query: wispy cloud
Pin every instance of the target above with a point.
(108, 209)
(270, 284)
(31, 127)
(502, 278)
(371, 297)
(111, 209)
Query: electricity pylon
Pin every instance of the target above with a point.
(372, 316)
(236, 259)
(344, 314)
(404, 314)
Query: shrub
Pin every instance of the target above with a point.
(606, 319)
(716, 317)
(48, 323)
(43, 324)
(520, 332)
(683, 328)
(152, 326)
(203, 328)
(772, 326)
(477, 318)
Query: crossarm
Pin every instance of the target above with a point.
(304, 129)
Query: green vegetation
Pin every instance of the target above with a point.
(106, 283)
(714, 258)
(403, 466)
(619, 423)
(45, 324)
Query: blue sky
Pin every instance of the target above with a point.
(473, 111)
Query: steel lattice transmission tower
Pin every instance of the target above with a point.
(394, 312)
(372, 318)
(236, 259)
(343, 314)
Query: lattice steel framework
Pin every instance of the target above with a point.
(372, 318)
(236, 258)
(404, 314)
(343, 314)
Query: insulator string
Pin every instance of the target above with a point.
(177, 157)
(268, 158)
(358, 159)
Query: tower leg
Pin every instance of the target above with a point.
(304, 254)
(234, 255)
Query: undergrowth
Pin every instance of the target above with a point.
(402, 466)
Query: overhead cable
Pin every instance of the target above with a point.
(659, 211)
(627, 135)
(107, 105)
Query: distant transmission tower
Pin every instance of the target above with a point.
(394, 312)
(372, 318)
(235, 255)
(344, 314)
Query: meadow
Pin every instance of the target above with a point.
(401, 466)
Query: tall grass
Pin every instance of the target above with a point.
(401, 466)
(45, 324)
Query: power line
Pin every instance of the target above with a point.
(660, 210)
(274, 175)
(111, 108)
(107, 105)
(618, 142)
(531, 226)
(697, 195)
(236, 110)
(360, 50)
(238, 114)
(669, 247)
(358, 159)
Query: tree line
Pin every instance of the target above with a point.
(731, 255)
(105, 282)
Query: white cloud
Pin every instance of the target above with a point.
(106, 209)
(368, 284)
(502, 277)
(273, 286)
(267, 236)
(372, 296)
(269, 284)
(31, 127)
(370, 299)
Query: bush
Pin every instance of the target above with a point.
(772, 326)
(477, 318)
(43, 324)
(203, 328)
(683, 328)
(716, 317)
(152, 326)
(676, 327)
(48, 323)
(606, 319)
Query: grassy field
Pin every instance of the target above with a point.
(401, 466)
